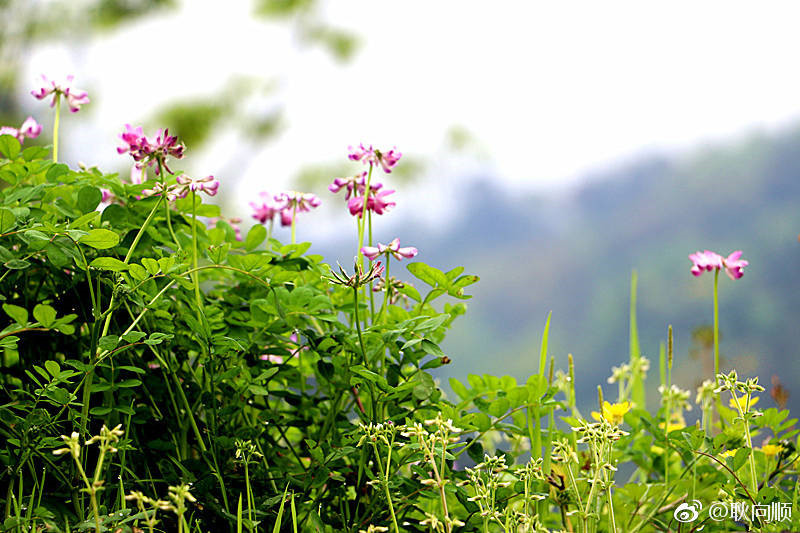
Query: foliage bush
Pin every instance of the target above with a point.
(163, 374)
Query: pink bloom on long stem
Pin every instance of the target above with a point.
(374, 157)
(30, 129)
(357, 183)
(75, 97)
(291, 202)
(708, 261)
(208, 185)
(266, 210)
(734, 265)
(376, 203)
(372, 252)
(147, 151)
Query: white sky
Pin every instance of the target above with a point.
(549, 89)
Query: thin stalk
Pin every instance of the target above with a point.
(385, 476)
(294, 225)
(166, 204)
(363, 219)
(716, 347)
(388, 288)
(195, 276)
(55, 127)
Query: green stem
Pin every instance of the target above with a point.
(167, 213)
(195, 276)
(388, 288)
(294, 217)
(362, 221)
(55, 127)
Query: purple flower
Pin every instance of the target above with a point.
(30, 129)
(707, 261)
(208, 185)
(149, 151)
(373, 157)
(357, 183)
(372, 252)
(267, 209)
(734, 265)
(376, 203)
(75, 97)
(292, 201)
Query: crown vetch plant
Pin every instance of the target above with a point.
(239, 374)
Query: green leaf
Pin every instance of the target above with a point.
(56, 171)
(109, 342)
(17, 264)
(129, 383)
(740, 458)
(109, 263)
(19, 314)
(137, 272)
(499, 407)
(430, 275)
(431, 348)
(53, 368)
(100, 239)
(116, 215)
(459, 389)
(255, 237)
(99, 411)
(7, 220)
(151, 265)
(89, 198)
(45, 314)
(134, 336)
(9, 146)
(84, 219)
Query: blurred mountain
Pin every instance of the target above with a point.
(573, 254)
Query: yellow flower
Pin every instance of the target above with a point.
(613, 413)
(676, 423)
(771, 450)
(727, 453)
(742, 402)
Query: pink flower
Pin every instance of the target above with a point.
(75, 97)
(372, 252)
(375, 202)
(150, 151)
(734, 265)
(30, 129)
(208, 185)
(291, 202)
(374, 157)
(267, 209)
(173, 191)
(357, 182)
(707, 261)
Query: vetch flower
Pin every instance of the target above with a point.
(267, 209)
(613, 413)
(75, 97)
(147, 151)
(374, 157)
(30, 129)
(708, 260)
(357, 183)
(208, 185)
(372, 252)
(376, 203)
(291, 202)
(734, 265)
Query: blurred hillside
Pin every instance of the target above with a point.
(573, 254)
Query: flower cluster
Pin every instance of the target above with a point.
(146, 151)
(707, 260)
(372, 252)
(30, 129)
(374, 157)
(285, 204)
(75, 97)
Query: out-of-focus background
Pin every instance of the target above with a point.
(550, 148)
